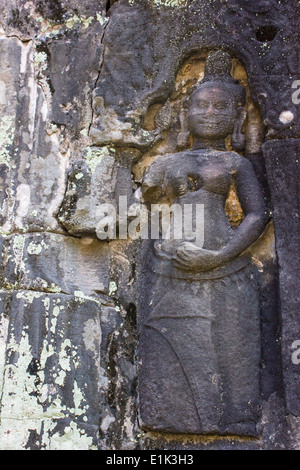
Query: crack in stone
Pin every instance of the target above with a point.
(99, 72)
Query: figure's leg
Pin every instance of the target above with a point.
(237, 340)
(165, 400)
(191, 339)
(179, 381)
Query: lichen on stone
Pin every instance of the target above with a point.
(112, 288)
(29, 296)
(94, 156)
(170, 3)
(76, 20)
(40, 61)
(7, 130)
(34, 249)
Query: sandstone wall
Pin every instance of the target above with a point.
(91, 92)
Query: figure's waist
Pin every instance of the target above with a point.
(163, 265)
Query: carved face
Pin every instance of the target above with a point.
(212, 112)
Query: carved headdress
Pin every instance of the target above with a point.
(218, 72)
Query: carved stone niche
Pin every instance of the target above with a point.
(199, 342)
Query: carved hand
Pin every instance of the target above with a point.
(190, 257)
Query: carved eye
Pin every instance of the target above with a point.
(221, 105)
(202, 104)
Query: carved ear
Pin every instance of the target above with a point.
(237, 137)
(184, 135)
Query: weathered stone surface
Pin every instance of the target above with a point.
(33, 168)
(50, 388)
(283, 173)
(52, 262)
(44, 109)
(31, 19)
(118, 427)
(264, 256)
(71, 98)
(100, 178)
(91, 183)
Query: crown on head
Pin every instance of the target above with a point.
(218, 71)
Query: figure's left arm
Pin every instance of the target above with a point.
(253, 205)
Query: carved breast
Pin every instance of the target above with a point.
(216, 178)
(198, 173)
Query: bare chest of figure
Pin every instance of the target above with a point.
(199, 172)
(202, 178)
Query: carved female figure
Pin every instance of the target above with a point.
(199, 344)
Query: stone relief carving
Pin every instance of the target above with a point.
(77, 130)
(199, 348)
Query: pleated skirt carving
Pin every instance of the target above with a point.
(199, 355)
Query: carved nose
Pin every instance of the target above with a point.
(209, 111)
